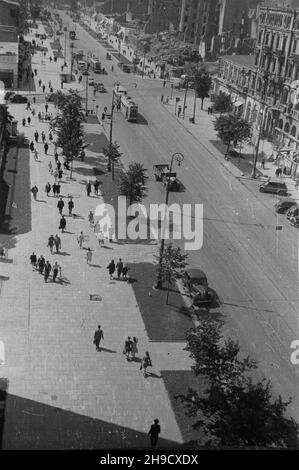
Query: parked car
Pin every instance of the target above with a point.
(18, 99)
(50, 97)
(196, 283)
(294, 220)
(282, 206)
(84, 72)
(274, 187)
(293, 211)
(91, 81)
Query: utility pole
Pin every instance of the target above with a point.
(264, 89)
(65, 30)
(72, 47)
(194, 106)
(86, 91)
(185, 97)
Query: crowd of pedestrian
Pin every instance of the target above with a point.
(44, 267)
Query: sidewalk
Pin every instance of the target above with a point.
(62, 393)
(203, 130)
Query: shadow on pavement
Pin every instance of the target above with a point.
(33, 425)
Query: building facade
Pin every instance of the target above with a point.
(9, 43)
(268, 87)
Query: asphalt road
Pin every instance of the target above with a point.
(252, 267)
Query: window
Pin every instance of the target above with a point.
(294, 45)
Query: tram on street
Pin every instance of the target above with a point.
(118, 92)
(129, 108)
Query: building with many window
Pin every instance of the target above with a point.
(268, 85)
(9, 43)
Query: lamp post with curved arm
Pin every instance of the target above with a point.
(178, 157)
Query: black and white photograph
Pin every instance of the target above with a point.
(149, 222)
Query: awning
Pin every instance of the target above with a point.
(238, 103)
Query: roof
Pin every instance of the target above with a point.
(243, 60)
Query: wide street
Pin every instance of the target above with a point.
(252, 266)
(62, 393)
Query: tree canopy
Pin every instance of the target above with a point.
(233, 410)
(171, 266)
(67, 125)
(222, 103)
(133, 183)
(231, 128)
(202, 84)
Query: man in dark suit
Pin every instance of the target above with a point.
(154, 432)
(98, 335)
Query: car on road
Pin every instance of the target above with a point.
(293, 211)
(284, 205)
(91, 81)
(100, 87)
(294, 220)
(196, 283)
(84, 72)
(18, 99)
(50, 97)
(274, 187)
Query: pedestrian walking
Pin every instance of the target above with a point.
(41, 264)
(46, 107)
(50, 136)
(51, 243)
(43, 137)
(103, 116)
(128, 347)
(57, 241)
(55, 174)
(60, 205)
(88, 256)
(31, 146)
(162, 98)
(39, 83)
(54, 189)
(119, 268)
(35, 155)
(47, 189)
(88, 188)
(100, 237)
(146, 362)
(91, 219)
(58, 189)
(24, 122)
(284, 171)
(43, 117)
(70, 206)
(36, 136)
(179, 110)
(49, 84)
(62, 224)
(33, 260)
(46, 146)
(154, 432)
(29, 120)
(111, 267)
(50, 167)
(33, 112)
(55, 270)
(28, 106)
(44, 88)
(35, 72)
(98, 336)
(47, 270)
(164, 83)
(60, 174)
(278, 172)
(34, 100)
(134, 349)
(80, 239)
(34, 191)
(263, 163)
(125, 271)
(96, 187)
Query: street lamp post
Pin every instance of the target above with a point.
(185, 98)
(178, 157)
(194, 106)
(72, 47)
(65, 30)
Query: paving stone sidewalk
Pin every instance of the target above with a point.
(62, 393)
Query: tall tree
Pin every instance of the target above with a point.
(202, 84)
(233, 410)
(223, 103)
(67, 125)
(231, 128)
(133, 183)
(113, 154)
(172, 266)
(5, 122)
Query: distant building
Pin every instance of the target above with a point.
(9, 43)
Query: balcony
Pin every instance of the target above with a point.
(294, 56)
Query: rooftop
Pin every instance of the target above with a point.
(244, 60)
